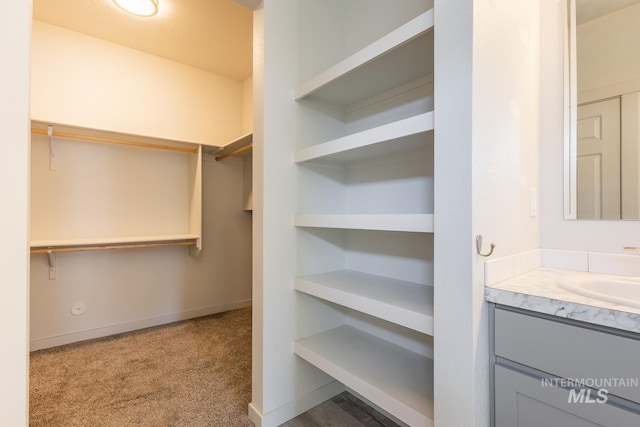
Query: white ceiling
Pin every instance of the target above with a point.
(586, 10)
(214, 35)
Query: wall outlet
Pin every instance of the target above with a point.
(78, 309)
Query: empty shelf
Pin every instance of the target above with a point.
(419, 223)
(394, 378)
(238, 147)
(395, 59)
(400, 135)
(405, 303)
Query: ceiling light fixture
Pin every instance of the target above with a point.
(139, 7)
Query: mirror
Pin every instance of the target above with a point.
(602, 110)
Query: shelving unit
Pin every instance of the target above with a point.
(240, 147)
(98, 190)
(416, 223)
(396, 379)
(384, 140)
(374, 69)
(364, 216)
(404, 303)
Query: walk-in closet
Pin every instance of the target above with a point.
(134, 222)
(140, 193)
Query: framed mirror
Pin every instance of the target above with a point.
(602, 110)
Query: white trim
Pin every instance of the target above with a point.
(54, 341)
(609, 91)
(293, 409)
(570, 112)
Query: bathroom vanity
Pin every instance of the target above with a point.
(549, 368)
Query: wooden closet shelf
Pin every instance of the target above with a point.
(70, 135)
(234, 148)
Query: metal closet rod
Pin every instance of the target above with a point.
(234, 152)
(102, 247)
(114, 141)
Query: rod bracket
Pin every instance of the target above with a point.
(51, 257)
(52, 153)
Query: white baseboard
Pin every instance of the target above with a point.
(54, 341)
(292, 409)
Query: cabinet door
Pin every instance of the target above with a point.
(568, 350)
(523, 401)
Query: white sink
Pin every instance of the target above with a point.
(616, 290)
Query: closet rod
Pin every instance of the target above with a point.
(54, 249)
(114, 141)
(234, 152)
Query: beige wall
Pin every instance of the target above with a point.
(88, 82)
(83, 81)
(605, 71)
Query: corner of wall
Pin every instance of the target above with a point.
(15, 28)
(247, 105)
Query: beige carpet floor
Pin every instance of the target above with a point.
(192, 373)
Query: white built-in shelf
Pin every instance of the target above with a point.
(404, 303)
(398, 58)
(96, 243)
(398, 136)
(398, 380)
(417, 223)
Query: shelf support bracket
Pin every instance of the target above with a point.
(51, 257)
(195, 250)
(52, 153)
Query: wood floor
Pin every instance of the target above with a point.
(344, 410)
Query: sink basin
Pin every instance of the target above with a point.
(616, 290)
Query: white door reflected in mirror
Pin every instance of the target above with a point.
(599, 160)
(603, 79)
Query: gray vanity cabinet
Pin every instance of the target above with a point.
(522, 401)
(542, 367)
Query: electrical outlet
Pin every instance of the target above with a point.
(78, 309)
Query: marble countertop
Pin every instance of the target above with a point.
(539, 291)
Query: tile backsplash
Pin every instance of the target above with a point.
(621, 264)
(566, 260)
(499, 269)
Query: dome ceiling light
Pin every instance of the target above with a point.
(139, 7)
